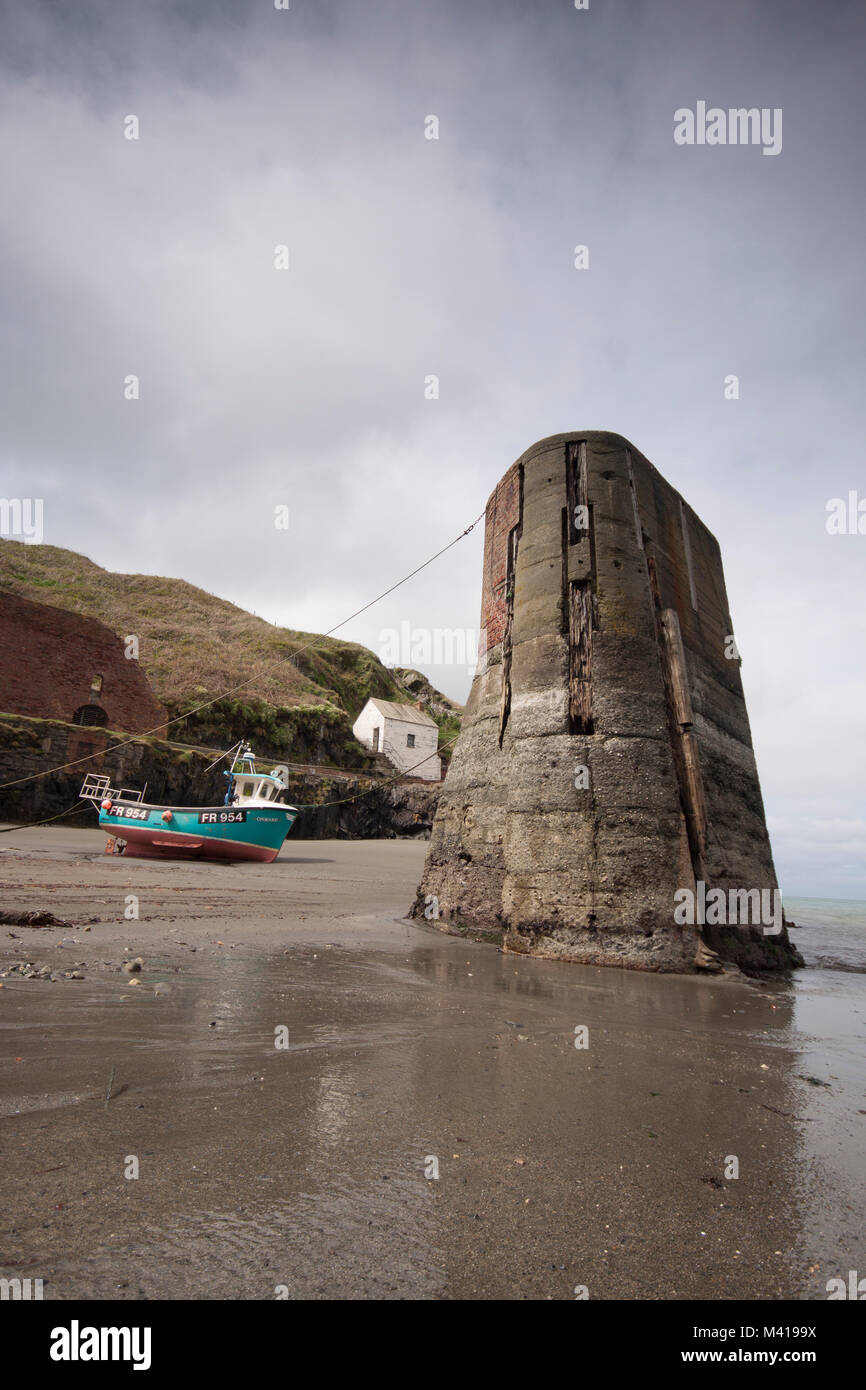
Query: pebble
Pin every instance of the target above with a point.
(27, 970)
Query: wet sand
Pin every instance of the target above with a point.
(304, 1166)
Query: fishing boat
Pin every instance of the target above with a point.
(252, 822)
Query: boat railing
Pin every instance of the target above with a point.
(97, 788)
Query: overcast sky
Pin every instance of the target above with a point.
(410, 257)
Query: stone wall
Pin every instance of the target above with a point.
(50, 660)
(605, 760)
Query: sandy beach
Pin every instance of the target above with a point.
(311, 1166)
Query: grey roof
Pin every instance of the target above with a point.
(407, 714)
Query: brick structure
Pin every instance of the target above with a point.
(59, 665)
(501, 523)
(605, 762)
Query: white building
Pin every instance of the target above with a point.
(404, 733)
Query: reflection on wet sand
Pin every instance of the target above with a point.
(303, 1168)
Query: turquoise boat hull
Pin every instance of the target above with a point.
(199, 832)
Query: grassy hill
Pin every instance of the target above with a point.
(194, 646)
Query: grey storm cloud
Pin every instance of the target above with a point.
(411, 257)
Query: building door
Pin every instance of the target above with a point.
(376, 739)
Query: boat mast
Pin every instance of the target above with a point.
(232, 752)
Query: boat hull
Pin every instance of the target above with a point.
(207, 832)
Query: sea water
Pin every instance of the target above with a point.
(830, 932)
(830, 994)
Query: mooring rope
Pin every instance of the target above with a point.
(323, 805)
(7, 830)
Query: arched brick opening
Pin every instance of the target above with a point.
(91, 715)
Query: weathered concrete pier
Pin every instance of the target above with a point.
(605, 768)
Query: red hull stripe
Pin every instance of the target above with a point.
(168, 844)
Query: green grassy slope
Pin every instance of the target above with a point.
(194, 646)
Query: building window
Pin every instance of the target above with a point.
(96, 685)
(410, 740)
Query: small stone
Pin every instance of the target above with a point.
(132, 966)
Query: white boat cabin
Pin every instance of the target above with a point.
(247, 787)
(256, 789)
